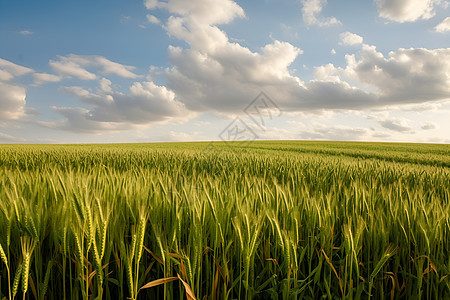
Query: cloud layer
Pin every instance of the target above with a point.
(406, 76)
(444, 26)
(210, 71)
(348, 38)
(12, 95)
(406, 10)
(312, 14)
(110, 110)
(12, 101)
(76, 66)
(214, 73)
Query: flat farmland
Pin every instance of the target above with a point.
(262, 220)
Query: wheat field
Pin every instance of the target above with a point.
(263, 220)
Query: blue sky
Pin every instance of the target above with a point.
(145, 71)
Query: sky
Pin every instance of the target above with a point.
(199, 70)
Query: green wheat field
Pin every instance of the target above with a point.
(264, 220)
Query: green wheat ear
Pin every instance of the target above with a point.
(140, 238)
(26, 272)
(46, 278)
(17, 280)
(3, 255)
(129, 270)
(79, 251)
(97, 261)
(388, 253)
(104, 231)
(28, 245)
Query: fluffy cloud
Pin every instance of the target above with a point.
(12, 95)
(76, 66)
(108, 110)
(205, 12)
(9, 70)
(41, 78)
(335, 133)
(406, 10)
(444, 26)
(311, 12)
(77, 119)
(217, 74)
(67, 68)
(407, 76)
(214, 73)
(399, 125)
(348, 38)
(177, 136)
(152, 19)
(25, 32)
(429, 125)
(229, 76)
(384, 119)
(6, 138)
(12, 101)
(421, 107)
(105, 85)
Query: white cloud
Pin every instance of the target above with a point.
(392, 123)
(5, 76)
(406, 10)
(105, 85)
(429, 125)
(421, 107)
(204, 12)
(395, 124)
(178, 136)
(413, 75)
(202, 123)
(152, 19)
(9, 70)
(444, 26)
(229, 75)
(78, 120)
(25, 32)
(214, 73)
(12, 95)
(108, 110)
(312, 13)
(335, 133)
(12, 101)
(151, 4)
(333, 51)
(9, 138)
(41, 78)
(67, 68)
(75, 66)
(326, 73)
(220, 75)
(348, 38)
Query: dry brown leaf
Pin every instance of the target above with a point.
(158, 282)
(189, 294)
